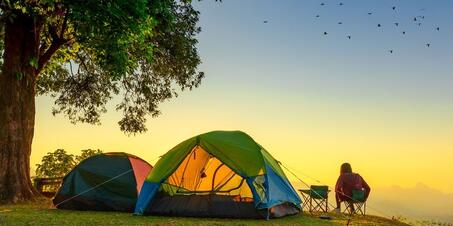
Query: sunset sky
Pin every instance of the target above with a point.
(313, 100)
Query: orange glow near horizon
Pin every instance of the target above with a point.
(386, 148)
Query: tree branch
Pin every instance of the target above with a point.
(58, 40)
(65, 23)
(42, 48)
(45, 57)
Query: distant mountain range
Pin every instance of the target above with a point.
(419, 202)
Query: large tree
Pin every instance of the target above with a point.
(83, 53)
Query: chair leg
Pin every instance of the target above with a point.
(318, 205)
(305, 202)
(322, 205)
(346, 207)
(311, 204)
(359, 208)
(364, 208)
(349, 209)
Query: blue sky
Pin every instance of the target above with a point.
(290, 52)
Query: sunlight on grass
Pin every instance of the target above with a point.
(42, 213)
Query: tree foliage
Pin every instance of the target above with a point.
(91, 51)
(55, 164)
(86, 153)
(59, 162)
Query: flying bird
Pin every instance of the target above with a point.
(428, 44)
(391, 51)
(265, 21)
(317, 15)
(396, 24)
(341, 3)
(349, 37)
(340, 22)
(379, 25)
(438, 28)
(325, 33)
(322, 3)
(394, 7)
(403, 32)
(415, 18)
(370, 13)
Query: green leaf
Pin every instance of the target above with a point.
(34, 62)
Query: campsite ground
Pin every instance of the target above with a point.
(42, 213)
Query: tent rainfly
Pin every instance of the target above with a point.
(106, 182)
(218, 174)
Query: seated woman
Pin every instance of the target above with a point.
(347, 182)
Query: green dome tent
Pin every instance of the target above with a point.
(218, 174)
(106, 182)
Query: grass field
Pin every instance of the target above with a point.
(42, 213)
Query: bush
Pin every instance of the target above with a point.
(55, 164)
(59, 163)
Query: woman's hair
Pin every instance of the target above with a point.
(345, 168)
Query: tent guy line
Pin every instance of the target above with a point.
(98, 185)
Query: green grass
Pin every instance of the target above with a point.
(43, 213)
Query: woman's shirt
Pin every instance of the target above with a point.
(350, 181)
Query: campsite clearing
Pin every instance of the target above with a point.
(42, 213)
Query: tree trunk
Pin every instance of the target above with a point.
(17, 108)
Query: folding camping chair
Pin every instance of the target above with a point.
(357, 203)
(316, 198)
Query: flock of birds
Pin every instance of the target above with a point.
(416, 19)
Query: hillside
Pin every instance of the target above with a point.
(414, 203)
(44, 214)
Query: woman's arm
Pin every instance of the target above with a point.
(339, 184)
(366, 187)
